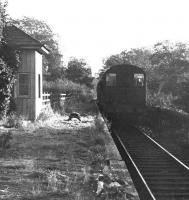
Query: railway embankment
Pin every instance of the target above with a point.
(168, 127)
(53, 158)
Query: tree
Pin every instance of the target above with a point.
(1, 21)
(41, 31)
(9, 62)
(109, 62)
(3, 16)
(165, 64)
(78, 72)
(139, 57)
(113, 60)
(170, 63)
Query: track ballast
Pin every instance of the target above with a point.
(156, 173)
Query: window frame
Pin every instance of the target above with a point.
(143, 79)
(111, 83)
(39, 86)
(29, 84)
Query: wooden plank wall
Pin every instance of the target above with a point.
(26, 105)
(38, 71)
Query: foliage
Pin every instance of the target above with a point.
(9, 61)
(79, 96)
(45, 114)
(1, 20)
(42, 32)
(170, 63)
(66, 86)
(167, 69)
(55, 73)
(139, 57)
(162, 100)
(182, 101)
(78, 72)
(3, 15)
(81, 146)
(13, 120)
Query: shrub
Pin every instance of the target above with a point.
(45, 114)
(79, 97)
(9, 62)
(161, 100)
(68, 87)
(182, 100)
(13, 121)
(77, 105)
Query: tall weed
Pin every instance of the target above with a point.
(161, 100)
(79, 97)
(13, 120)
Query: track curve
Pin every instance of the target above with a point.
(166, 178)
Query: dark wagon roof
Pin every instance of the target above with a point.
(124, 67)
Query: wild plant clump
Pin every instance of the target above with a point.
(45, 114)
(13, 120)
(161, 100)
(9, 62)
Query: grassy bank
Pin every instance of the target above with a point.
(53, 158)
(170, 128)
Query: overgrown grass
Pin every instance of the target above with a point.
(12, 120)
(169, 127)
(161, 100)
(53, 158)
(66, 86)
(80, 97)
(75, 104)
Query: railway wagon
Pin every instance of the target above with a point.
(121, 92)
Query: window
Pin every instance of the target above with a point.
(24, 84)
(110, 79)
(139, 80)
(39, 85)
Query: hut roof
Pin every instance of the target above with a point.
(21, 40)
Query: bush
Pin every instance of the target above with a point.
(45, 114)
(13, 121)
(68, 87)
(9, 62)
(77, 105)
(182, 100)
(161, 100)
(79, 97)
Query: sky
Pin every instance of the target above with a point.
(96, 29)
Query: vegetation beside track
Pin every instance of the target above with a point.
(53, 158)
(169, 127)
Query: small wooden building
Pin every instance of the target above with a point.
(28, 87)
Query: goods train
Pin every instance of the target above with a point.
(121, 92)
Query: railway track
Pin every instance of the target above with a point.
(155, 172)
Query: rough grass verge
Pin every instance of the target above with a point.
(53, 158)
(169, 127)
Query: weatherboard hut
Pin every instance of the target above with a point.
(28, 86)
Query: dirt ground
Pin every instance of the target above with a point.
(60, 159)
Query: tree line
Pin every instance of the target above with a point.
(75, 73)
(9, 62)
(167, 67)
